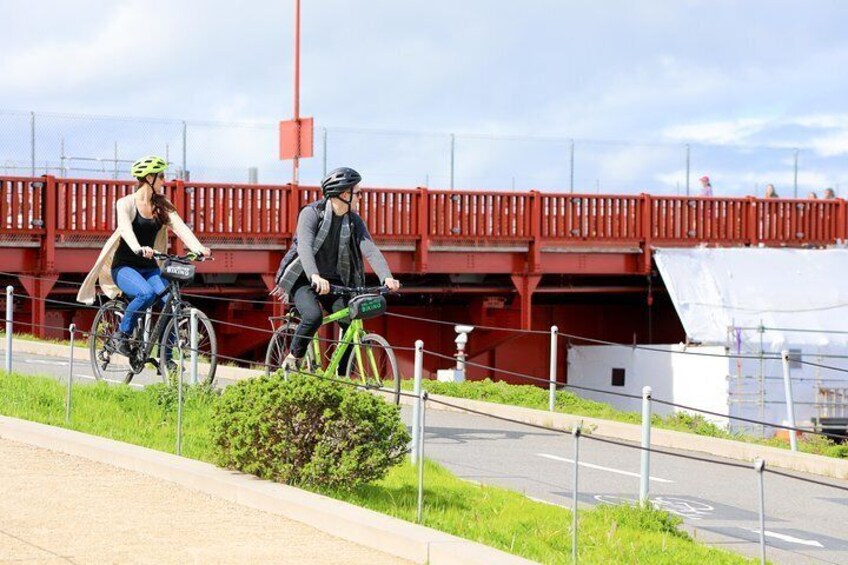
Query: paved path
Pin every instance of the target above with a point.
(57, 508)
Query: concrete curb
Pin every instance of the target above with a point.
(340, 519)
(774, 456)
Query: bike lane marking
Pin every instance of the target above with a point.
(788, 538)
(45, 362)
(601, 468)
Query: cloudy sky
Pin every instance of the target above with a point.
(632, 83)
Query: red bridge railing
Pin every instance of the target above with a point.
(82, 208)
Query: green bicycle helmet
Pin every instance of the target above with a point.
(149, 165)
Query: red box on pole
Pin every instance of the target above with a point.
(296, 138)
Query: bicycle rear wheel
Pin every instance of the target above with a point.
(279, 347)
(375, 365)
(175, 344)
(106, 364)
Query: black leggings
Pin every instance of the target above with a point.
(309, 304)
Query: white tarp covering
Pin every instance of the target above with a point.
(799, 295)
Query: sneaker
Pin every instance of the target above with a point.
(291, 364)
(119, 343)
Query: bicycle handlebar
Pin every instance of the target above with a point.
(334, 289)
(190, 256)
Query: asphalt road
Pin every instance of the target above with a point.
(719, 504)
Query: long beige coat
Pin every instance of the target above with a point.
(102, 272)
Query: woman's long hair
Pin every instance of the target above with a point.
(161, 205)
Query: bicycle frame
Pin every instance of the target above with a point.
(150, 338)
(349, 339)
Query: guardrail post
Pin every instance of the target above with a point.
(9, 307)
(193, 322)
(416, 408)
(72, 328)
(790, 405)
(552, 375)
(180, 344)
(646, 445)
(576, 433)
(420, 448)
(759, 467)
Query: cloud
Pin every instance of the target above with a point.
(120, 50)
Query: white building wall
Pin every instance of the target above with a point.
(698, 381)
(706, 378)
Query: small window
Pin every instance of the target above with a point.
(618, 377)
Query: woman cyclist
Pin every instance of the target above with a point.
(329, 245)
(126, 262)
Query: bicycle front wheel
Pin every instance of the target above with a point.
(106, 364)
(375, 365)
(176, 345)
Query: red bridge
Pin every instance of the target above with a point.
(506, 259)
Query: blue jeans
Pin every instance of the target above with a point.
(142, 285)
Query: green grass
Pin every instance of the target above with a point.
(493, 516)
(531, 396)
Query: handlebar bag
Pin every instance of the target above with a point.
(177, 271)
(367, 306)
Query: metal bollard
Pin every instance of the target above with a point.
(416, 408)
(9, 290)
(420, 448)
(790, 405)
(552, 375)
(576, 433)
(646, 444)
(193, 322)
(759, 467)
(72, 328)
(180, 397)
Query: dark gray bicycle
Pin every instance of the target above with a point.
(160, 338)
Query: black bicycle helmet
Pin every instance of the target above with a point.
(339, 181)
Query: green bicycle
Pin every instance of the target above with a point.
(372, 361)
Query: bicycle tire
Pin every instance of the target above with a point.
(386, 367)
(279, 347)
(207, 346)
(105, 323)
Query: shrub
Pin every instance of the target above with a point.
(307, 431)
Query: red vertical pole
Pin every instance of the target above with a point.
(535, 259)
(423, 229)
(179, 204)
(296, 89)
(647, 232)
(49, 216)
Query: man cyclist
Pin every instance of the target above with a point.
(330, 243)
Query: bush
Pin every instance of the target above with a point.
(307, 431)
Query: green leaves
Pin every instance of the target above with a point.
(308, 432)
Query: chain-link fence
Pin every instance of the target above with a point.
(35, 143)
